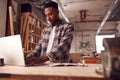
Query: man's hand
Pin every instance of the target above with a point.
(36, 60)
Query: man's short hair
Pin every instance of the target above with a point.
(51, 4)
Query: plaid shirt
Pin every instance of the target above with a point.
(61, 44)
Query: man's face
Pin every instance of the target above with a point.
(51, 14)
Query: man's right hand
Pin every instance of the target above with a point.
(36, 60)
(33, 60)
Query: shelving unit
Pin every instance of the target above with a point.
(30, 31)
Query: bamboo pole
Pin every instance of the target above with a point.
(11, 21)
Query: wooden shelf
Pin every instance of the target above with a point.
(30, 31)
(34, 34)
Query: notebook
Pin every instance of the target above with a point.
(11, 50)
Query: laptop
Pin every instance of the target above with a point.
(11, 50)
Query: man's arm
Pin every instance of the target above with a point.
(36, 52)
(35, 56)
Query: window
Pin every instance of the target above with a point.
(99, 42)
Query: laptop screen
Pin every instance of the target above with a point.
(11, 50)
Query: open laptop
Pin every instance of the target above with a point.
(11, 50)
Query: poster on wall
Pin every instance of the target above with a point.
(83, 43)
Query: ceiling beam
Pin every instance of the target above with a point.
(107, 16)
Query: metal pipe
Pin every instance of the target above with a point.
(107, 16)
(86, 21)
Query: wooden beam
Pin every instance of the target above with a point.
(11, 21)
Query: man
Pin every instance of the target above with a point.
(55, 40)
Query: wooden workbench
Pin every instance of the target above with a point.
(46, 72)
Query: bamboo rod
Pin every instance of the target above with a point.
(11, 21)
